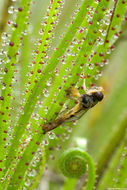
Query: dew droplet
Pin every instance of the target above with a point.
(11, 10)
(27, 183)
(51, 135)
(46, 92)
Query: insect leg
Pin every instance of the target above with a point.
(84, 85)
(72, 93)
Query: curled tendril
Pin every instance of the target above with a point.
(73, 164)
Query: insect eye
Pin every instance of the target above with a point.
(99, 95)
(86, 101)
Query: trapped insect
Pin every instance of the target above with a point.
(85, 101)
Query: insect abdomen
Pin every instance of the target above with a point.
(50, 126)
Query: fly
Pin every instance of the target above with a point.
(85, 102)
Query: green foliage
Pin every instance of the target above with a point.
(73, 165)
(115, 176)
(39, 95)
(8, 73)
(75, 162)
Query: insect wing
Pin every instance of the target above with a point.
(77, 116)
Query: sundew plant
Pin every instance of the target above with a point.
(48, 47)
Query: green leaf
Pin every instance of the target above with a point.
(10, 62)
(116, 173)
